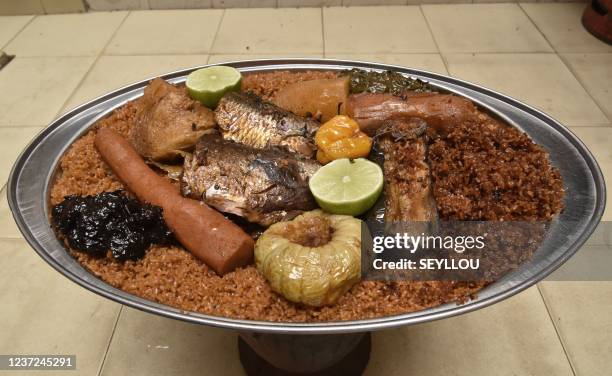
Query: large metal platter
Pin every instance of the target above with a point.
(29, 182)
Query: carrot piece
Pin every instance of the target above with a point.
(206, 233)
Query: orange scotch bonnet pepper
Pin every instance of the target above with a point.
(340, 137)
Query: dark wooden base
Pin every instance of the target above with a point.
(597, 19)
(353, 364)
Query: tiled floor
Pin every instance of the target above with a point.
(270, 31)
(166, 32)
(396, 29)
(542, 80)
(535, 52)
(43, 313)
(54, 35)
(483, 28)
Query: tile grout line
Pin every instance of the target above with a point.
(433, 37)
(323, 32)
(17, 33)
(224, 53)
(52, 56)
(110, 341)
(557, 331)
(536, 27)
(602, 126)
(14, 126)
(311, 52)
(577, 77)
(91, 67)
(519, 52)
(214, 40)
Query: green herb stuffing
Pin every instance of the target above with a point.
(385, 82)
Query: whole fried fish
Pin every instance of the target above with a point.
(264, 186)
(249, 120)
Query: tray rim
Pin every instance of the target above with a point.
(306, 328)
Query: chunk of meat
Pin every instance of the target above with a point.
(167, 121)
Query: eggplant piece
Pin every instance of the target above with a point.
(408, 185)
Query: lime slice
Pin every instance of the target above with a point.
(208, 85)
(346, 186)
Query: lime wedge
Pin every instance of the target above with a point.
(346, 186)
(208, 85)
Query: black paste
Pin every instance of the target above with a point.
(110, 220)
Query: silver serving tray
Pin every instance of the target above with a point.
(30, 179)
